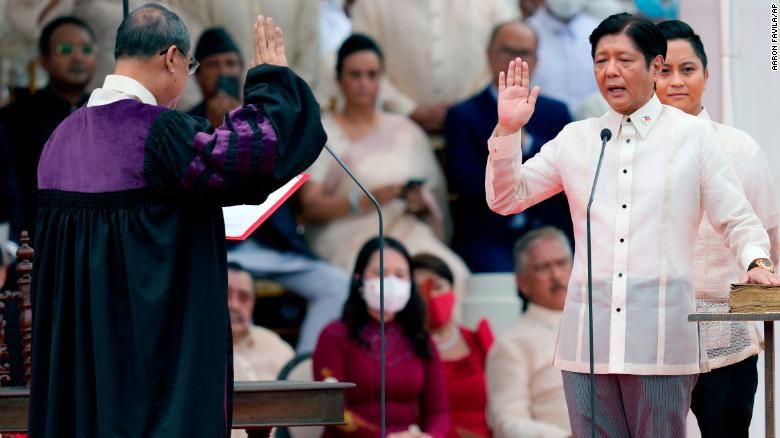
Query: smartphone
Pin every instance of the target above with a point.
(230, 85)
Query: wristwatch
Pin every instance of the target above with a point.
(763, 264)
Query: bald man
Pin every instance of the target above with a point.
(482, 238)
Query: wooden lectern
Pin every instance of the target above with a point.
(769, 355)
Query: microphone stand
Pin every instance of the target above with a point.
(381, 284)
(606, 135)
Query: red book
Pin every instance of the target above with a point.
(242, 220)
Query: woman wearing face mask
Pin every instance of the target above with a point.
(349, 350)
(463, 351)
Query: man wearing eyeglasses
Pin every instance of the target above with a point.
(483, 238)
(132, 329)
(67, 53)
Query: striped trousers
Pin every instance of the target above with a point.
(628, 405)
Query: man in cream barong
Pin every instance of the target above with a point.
(662, 170)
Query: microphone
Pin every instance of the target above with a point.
(605, 135)
(381, 285)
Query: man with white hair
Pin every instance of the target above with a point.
(525, 392)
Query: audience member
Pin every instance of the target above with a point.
(219, 75)
(432, 48)
(565, 67)
(483, 238)
(462, 351)
(525, 391)
(390, 154)
(277, 250)
(723, 398)
(349, 350)
(258, 353)
(67, 52)
(298, 18)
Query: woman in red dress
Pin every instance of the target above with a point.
(462, 351)
(348, 350)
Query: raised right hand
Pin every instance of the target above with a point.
(515, 102)
(269, 43)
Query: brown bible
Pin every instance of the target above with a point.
(754, 298)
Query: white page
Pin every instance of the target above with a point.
(240, 219)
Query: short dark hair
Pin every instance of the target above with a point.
(235, 266)
(433, 264)
(356, 42)
(680, 30)
(645, 35)
(149, 29)
(44, 40)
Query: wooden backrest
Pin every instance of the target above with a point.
(25, 255)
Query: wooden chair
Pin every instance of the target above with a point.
(22, 297)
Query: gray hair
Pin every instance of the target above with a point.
(148, 30)
(530, 239)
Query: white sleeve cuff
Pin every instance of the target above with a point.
(508, 146)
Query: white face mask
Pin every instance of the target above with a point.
(565, 9)
(397, 293)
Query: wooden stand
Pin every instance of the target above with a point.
(256, 405)
(769, 355)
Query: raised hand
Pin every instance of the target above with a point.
(515, 102)
(269, 43)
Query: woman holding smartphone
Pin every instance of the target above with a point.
(393, 158)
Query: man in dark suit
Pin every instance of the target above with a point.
(482, 238)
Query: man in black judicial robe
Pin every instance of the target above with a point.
(131, 333)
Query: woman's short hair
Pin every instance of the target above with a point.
(680, 30)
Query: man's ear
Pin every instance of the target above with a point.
(169, 57)
(656, 66)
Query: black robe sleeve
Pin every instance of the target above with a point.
(260, 146)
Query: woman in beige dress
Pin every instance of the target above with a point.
(391, 156)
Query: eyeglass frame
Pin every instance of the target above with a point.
(92, 49)
(193, 63)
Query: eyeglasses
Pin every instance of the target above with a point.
(193, 63)
(68, 49)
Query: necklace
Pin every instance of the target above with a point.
(450, 342)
